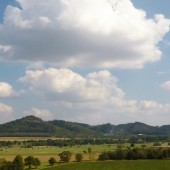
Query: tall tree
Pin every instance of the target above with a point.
(18, 163)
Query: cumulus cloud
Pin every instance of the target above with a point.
(6, 90)
(85, 98)
(94, 98)
(5, 113)
(82, 33)
(66, 85)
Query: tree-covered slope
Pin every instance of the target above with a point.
(33, 126)
(27, 125)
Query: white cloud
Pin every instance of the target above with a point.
(66, 85)
(89, 98)
(95, 98)
(154, 112)
(166, 85)
(82, 33)
(6, 90)
(5, 113)
(149, 105)
(41, 113)
(4, 108)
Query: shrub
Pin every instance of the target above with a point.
(65, 156)
(52, 161)
(79, 157)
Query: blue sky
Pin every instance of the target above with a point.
(92, 62)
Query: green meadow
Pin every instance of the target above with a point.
(116, 165)
(45, 152)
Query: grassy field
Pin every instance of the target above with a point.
(44, 153)
(116, 165)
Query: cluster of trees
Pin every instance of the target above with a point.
(136, 153)
(31, 161)
(18, 163)
(58, 142)
(65, 157)
(147, 138)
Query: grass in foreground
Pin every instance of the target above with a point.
(116, 165)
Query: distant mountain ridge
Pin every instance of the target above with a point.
(34, 126)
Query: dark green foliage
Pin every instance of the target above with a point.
(157, 144)
(29, 161)
(119, 154)
(65, 156)
(18, 163)
(52, 161)
(7, 165)
(132, 145)
(33, 126)
(105, 128)
(136, 153)
(106, 156)
(79, 157)
(73, 129)
(37, 162)
(89, 150)
(27, 125)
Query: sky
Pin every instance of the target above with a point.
(94, 62)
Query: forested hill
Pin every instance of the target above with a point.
(33, 126)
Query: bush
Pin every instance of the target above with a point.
(52, 161)
(157, 144)
(79, 157)
(37, 162)
(65, 156)
(7, 165)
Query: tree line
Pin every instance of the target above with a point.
(84, 141)
(18, 163)
(136, 153)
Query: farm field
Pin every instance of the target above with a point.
(116, 165)
(45, 152)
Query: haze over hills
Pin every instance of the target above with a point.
(34, 126)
